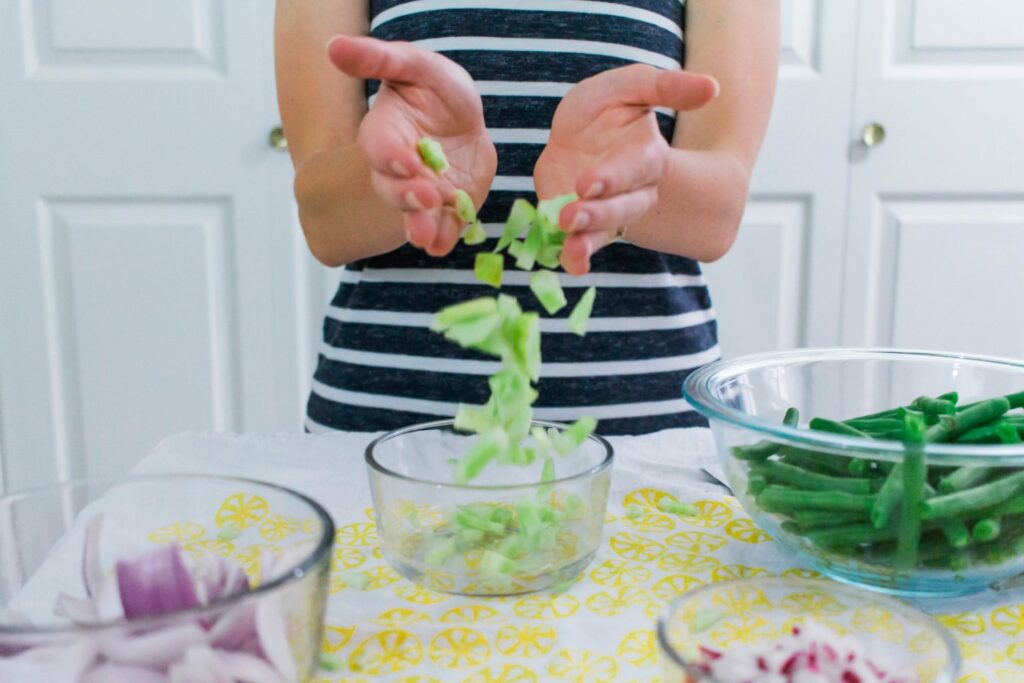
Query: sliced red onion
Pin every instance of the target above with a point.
(52, 664)
(117, 673)
(249, 669)
(92, 569)
(78, 610)
(216, 577)
(273, 634)
(156, 583)
(155, 650)
(235, 628)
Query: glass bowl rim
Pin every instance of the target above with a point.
(954, 658)
(697, 391)
(376, 465)
(321, 549)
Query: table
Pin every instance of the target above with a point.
(598, 630)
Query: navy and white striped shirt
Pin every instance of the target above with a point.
(380, 366)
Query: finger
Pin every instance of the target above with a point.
(389, 148)
(608, 215)
(578, 249)
(448, 232)
(416, 194)
(643, 85)
(400, 63)
(421, 227)
(625, 169)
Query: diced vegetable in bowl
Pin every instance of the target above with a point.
(901, 471)
(523, 523)
(162, 579)
(796, 630)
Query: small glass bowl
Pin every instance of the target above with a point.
(895, 635)
(467, 539)
(280, 538)
(745, 400)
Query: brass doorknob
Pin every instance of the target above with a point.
(873, 134)
(277, 139)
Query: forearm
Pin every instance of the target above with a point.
(701, 198)
(342, 218)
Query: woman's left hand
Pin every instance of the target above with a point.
(606, 146)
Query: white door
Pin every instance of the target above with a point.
(779, 287)
(136, 232)
(935, 256)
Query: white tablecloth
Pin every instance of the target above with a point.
(598, 630)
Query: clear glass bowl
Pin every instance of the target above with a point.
(469, 539)
(724, 615)
(745, 400)
(265, 601)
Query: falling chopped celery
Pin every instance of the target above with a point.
(464, 312)
(467, 520)
(483, 451)
(501, 516)
(229, 533)
(675, 507)
(543, 441)
(512, 547)
(519, 220)
(530, 524)
(353, 579)
(473, 419)
(634, 512)
(440, 551)
(473, 332)
(574, 435)
(549, 254)
(464, 206)
(549, 209)
(432, 154)
(527, 255)
(545, 286)
(496, 563)
(475, 234)
(581, 313)
(469, 538)
(489, 268)
(547, 473)
(573, 506)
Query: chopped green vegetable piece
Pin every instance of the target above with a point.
(473, 333)
(229, 533)
(526, 344)
(527, 255)
(530, 524)
(464, 207)
(440, 551)
(573, 506)
(545, 286)
(548, 210)
(547, 475)
(501, 515)
(489, 268)
(519, 220)
(581, 312)
(464, 312)
(540, 435)
(432, 154)
(469, 538)
(675, 507)
(468, 520)
(330, 662)
(573, 436)
(634, 511)
(473, 419)
(496, 563)
(353, 579)
(488, 447)
(549, 255)
(475, 234)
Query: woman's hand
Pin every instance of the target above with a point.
(606, 146)
(422, 94)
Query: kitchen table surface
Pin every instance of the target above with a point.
(598, 629)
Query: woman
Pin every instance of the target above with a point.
(528, 98)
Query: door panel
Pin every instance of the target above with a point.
(935, 236)
(137, 255)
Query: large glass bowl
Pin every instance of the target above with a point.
(505, 532)
(257, 556)
(752, 612)
(745, 401)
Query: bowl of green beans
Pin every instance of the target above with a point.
(516, 527)
(897, 470)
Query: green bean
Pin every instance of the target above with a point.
(852, 534)
(817, 519)
(882, 414)
(878, 424)
(859, 467)
(952, 426)
(915, 476)
(987, 433)
(887, 498)
(816, 462)
(986, 529)
(763, 449)
(811, 481)
(953, 528)
(785, 498)
(821, 424)
(934, 406)
(966, 477)
(1014, 506)
(756, 484)
(963, 502)
(951, 396)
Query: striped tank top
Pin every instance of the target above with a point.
(381, 368)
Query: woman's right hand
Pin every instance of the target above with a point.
(422, 94)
